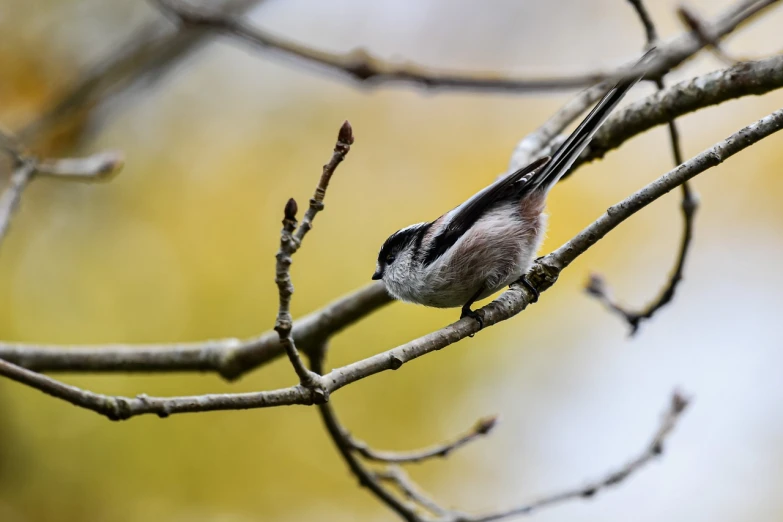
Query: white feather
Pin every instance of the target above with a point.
(496, 251)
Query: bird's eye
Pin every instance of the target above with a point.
(390, 259)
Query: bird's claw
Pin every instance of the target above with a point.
(527, 284)
(467, 312)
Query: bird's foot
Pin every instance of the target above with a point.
(527, 284)
(477, 315)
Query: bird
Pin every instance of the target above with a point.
(490, 240)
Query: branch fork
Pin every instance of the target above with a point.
(291, 239)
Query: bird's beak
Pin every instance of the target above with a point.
(377, 275)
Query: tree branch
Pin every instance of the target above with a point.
(284, 322)
(542, 276)
(339, 436)
(654, 448)
(92, 168)
(397, 476)
(596, 285)
(360, 66)
(744, 79)
(231, 358)
(290, 241)
(12, 195)
(145, 56)
(373, 480)
(481, 428)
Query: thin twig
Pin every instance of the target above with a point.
(597, 286)
(98, 167)
(654, 448)
(541, 276)
(146, 56)
(482, 427)
(290, 241)
(412, 491)
(700, 30)
(341, 149)
(542, 140)
(744, 79)
(12, 195)
(338, 434)
(27, 167)
(284, 322)
(232, 358)
(359, 65)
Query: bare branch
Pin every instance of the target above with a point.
(290, 241)
(232, 358)
(284, 322)
(359, 65)
(145, 56)
(546, 137)
(651, 33)
(482, 427)
(121, 408)
(373, 479)
(596, 286)
(98, 166)
(402, 481)
(341, 149)
(9, 199)
(542, 276)
(339, 436)
(654, 448)
(700, 30)
(745, 79)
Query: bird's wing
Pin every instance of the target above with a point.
(459, 220)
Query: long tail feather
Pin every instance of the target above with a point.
(569, 151)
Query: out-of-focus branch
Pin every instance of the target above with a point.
(547, 136)
(596, 285)
(421, 507)
(146, 56)
(374, 479)
(700, 30)
(744, 79)
(12, 195)
(654, 448)
(400, 479)
(359, 65)
(290, 241)
(95, 167)
(232, 358)
(542, 276)
(481, 428)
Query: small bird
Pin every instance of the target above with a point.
(490, 240)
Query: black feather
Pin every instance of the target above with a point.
(542, 174)
(509, 188)
(573, 146)
(401, 240)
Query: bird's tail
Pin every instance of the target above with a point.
(573, 146)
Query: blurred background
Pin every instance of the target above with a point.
(180, 247)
